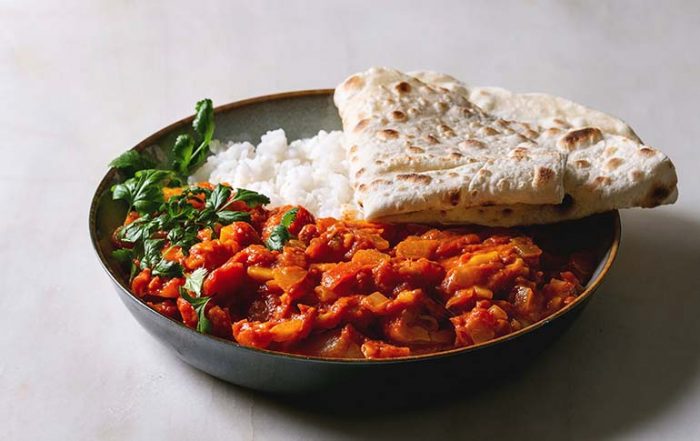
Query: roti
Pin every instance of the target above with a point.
(412, 147)
(597, 161)
(539, 109)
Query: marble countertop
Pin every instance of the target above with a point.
(82, 81)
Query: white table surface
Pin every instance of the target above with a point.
(82, 81)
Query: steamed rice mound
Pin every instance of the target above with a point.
(309, 172)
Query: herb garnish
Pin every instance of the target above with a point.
(251, 198)
(143, 192)
(190, 151)
(132, 161)
(194, 283)
(181, 220)
(280, 234)
(176, 222)
(153, 259)
(122, 255)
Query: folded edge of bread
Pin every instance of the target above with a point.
(425, 147)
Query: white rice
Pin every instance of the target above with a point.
(310, 172)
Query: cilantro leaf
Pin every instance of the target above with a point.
(153, 259)
(140, 229)
(122, 255)
(183, 237)
(203, 123)
(195, 280)
(280, 234)
(151, 253)
(215, 208)
(218, 197)
(251, 198)
(190, 152)
(132, 161)
(182, 154)
(143, 192)
(289, 217)
(199, 304)
(229, 217)
(167, 268)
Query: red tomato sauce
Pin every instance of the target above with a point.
(354, 289)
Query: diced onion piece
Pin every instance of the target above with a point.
(415, 249)
(260, 273)
(289, 276)
(370, 257)
(463, 276)
(483, 293)
(462, 298)
(324, 294)
(482, 258)
(480, 333)
(498, 313)
(465, 298)
(525, 248)
(287, 330)
(554, 304)
(375, 302)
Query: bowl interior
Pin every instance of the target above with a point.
(303, 114)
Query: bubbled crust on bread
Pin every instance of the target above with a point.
(418, 146)
(606, 165)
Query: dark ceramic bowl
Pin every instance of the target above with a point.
(303, 114)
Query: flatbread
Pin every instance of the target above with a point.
(413, 147)
(611, 174)
(538, 109)
(606, 166)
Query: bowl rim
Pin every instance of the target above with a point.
(611, 254)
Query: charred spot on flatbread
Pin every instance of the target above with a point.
(613, 163)
(398, 115)
(543, 176)
(415, 178)
(582, 138)
(647, 151)
(355, 82)
(387, 134)
(361, 125)
(403, 87)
